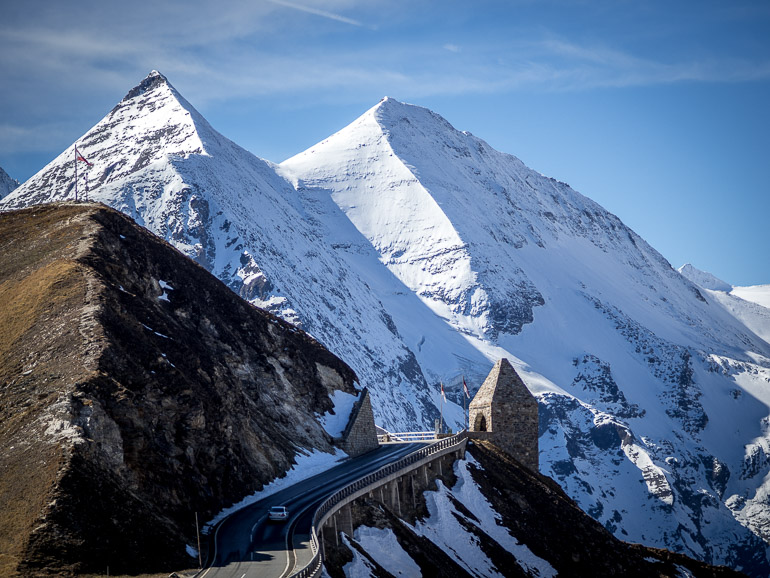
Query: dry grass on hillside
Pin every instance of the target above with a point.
(41, 293)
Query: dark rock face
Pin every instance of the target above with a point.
(136, 391)
(595, 376)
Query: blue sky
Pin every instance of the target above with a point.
(659, 111)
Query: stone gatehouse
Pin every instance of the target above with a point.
(505, 412)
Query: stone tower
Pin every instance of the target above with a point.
(506, 410)
(360, 435)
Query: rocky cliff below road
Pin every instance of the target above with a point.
(135, 390)
(491, 516)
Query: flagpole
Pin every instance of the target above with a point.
(76, 173)
(465, 417)
(441, 417)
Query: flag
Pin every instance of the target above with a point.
(443, 395)
(79, 156)
(465, 389)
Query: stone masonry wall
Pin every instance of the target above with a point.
(510, 412)
(360, 435)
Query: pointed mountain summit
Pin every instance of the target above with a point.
(7, 184)
(151, 123)
(704, 278)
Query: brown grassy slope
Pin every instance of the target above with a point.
(42, 292)
(159, 402)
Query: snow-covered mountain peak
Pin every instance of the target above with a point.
(704, 279)
(444, 210)
(152, 80)
(7, 184)
(151, 124)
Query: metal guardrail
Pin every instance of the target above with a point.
(407, 436)
(362, 485)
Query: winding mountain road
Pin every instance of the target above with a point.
(247, 545)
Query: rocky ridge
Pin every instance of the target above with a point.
(136, 391)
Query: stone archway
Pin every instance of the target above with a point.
(480, 423)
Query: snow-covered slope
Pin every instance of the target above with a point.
(158, 160)
(759, 294)
(654, 398)
(750, 305)
(703, 278)
(7, 184)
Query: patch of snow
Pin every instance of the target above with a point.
(442, 527)
(748, 308)
(192, 551)
(335, 423)
(444, 530)
(383, 546)
(359, 567)
(166, 287)
(57, 420)
(155, 332)
(469, 494)
(683, 572)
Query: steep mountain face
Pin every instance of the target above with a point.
(419, 254)
(136, 390)
(654, 398)
(749, 305)
(7, 184)
(156, 159)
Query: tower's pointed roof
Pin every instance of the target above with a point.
(502, 384)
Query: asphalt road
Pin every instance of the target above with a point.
(247, 545)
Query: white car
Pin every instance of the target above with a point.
(278, 514)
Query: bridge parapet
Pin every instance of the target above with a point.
(367, 484)
(405, 437)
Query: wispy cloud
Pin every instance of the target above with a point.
(54, 61)
(574, 66)
(317, 12)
